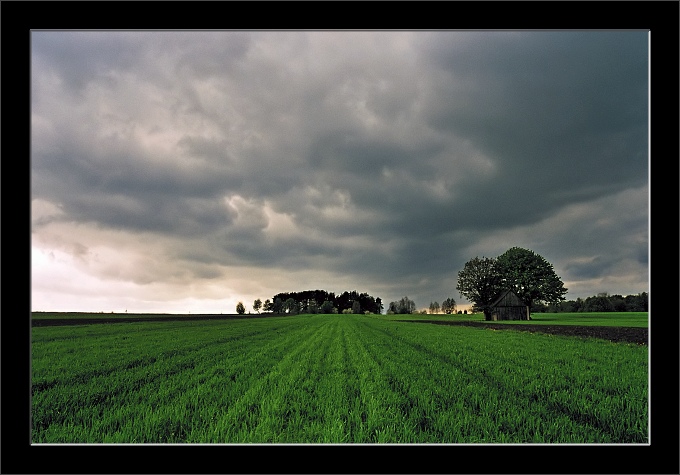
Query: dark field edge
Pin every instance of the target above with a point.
(18, 456)
(614, 334)
(48, 322)
(639, 336)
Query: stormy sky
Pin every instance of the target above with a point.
(184, 171)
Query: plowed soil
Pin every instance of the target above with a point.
(615, 334)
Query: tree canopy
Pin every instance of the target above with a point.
(530, 276)
(479, 282)
(320, 301)
(449, 306)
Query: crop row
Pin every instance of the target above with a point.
(332, 379)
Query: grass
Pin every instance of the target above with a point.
(331, 379)
(616, 319)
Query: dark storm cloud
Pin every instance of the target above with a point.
(391, 156)
(127, 191)
(562, 113)
(80, 57)
(595, 267)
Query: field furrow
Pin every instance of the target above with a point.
(331, 379)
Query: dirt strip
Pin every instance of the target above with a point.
(46, 322)
(639, 336)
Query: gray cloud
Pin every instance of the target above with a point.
(390, 158)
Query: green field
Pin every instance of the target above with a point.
(616, 319)
(332, 379)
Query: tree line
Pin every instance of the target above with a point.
(530, 276)
(405, 306)
(321, 301)
(602, 302)
(317, 301)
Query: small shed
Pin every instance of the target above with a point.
(508, 306)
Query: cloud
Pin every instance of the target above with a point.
(385, 159)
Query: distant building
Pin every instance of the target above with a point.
(508, 306)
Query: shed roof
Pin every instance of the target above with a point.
(508, 298)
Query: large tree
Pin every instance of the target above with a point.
(530, 276)
(479, 282)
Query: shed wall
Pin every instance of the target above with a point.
(509, 313)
